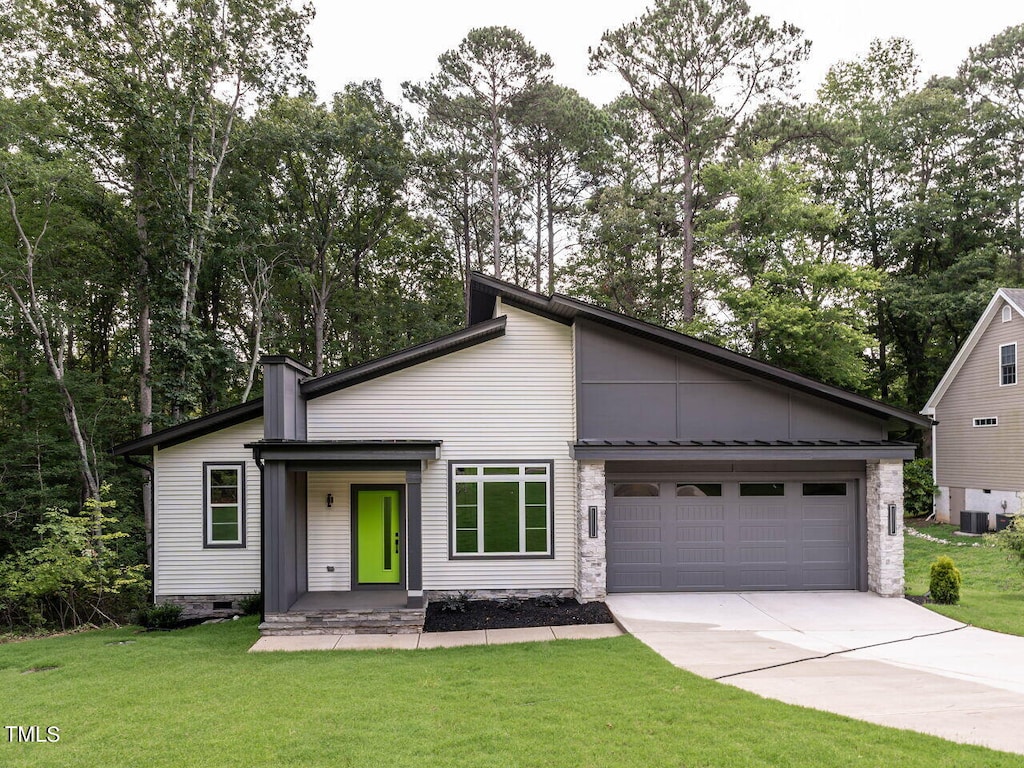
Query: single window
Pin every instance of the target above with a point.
(1008, 364)
(1007, 313)
(698, 489)
(224, 505)
(824, 489)
(987, 421)
(501, 509)
(635, 489)
(762, 489)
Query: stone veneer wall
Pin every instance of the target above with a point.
(591, 564)
(194, 606)
(885, 552)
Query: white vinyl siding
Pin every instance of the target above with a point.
(183, 566)
(329, 529)
(508, 400)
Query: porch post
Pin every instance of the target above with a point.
(414, 538)
(275, 524)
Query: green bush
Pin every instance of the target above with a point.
(1011, 540)
(944, 584)
(252, 604)
(76, 575)
(455, 602)
(918, 489)
(163, 616)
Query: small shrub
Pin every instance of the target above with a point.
(549, 601)
(252, 604)
(1011, 540)
(512, 603)
(918, 489)
(944, 584)
(163, 616)
(455, 602)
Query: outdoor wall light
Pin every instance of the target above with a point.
(592, 513)
(330, 499)
(892, 519)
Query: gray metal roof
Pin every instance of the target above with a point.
(738, 450)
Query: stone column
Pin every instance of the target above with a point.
(885, 552)
(591, 566)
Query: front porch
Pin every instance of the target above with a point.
(346, 613)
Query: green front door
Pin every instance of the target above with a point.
(378, 539)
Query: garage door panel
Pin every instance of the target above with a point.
(635, 556)
(734, 541)
(760, 555)
(763, 578)
(700, 581)
(700, 513)
(701, 556)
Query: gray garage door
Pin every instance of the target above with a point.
(732, 536)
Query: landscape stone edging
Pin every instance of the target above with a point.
(928, 537)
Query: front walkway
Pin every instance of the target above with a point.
(434, 639)
(883, 660)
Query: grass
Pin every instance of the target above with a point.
(992, 587)
(194, 697)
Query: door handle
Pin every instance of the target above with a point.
(396, 543)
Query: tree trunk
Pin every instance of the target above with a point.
(538, 251)
(688, 239)
(549, 194)
(495, 205)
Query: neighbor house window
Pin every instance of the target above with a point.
(987, 421)
(1007, 313)
(501, 509)
(1008, 364)
(224, 505)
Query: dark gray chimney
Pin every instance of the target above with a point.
(284, 409)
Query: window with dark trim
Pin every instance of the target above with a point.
(501, 509)
(762, 489)
(223, 505)
(698, 489)
(824, 489)
(634, 490)
(1008, 364)
(987, 421)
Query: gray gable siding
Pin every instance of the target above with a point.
(630, 389)
(983, 457)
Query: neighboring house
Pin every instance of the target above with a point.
(550, 447)
(978, 409)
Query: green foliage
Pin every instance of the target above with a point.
(1011, 540)
(162, 616)
(918, 488)
(251, 605)
(74, 575)
(455, 602)
(944, 581)
(511, 603)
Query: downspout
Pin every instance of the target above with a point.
(147, 515)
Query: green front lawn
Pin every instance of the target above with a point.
(196, 698)
(992, 587)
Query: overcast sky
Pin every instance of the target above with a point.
(398, 40)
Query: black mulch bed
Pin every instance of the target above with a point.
(512, 614)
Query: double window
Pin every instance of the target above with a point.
(501, 509)
(224, 505)
(1008, 364)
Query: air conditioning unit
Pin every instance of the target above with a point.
(973, 522)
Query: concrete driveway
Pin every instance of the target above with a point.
(878, 659)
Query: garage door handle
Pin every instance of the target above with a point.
(396, 542)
